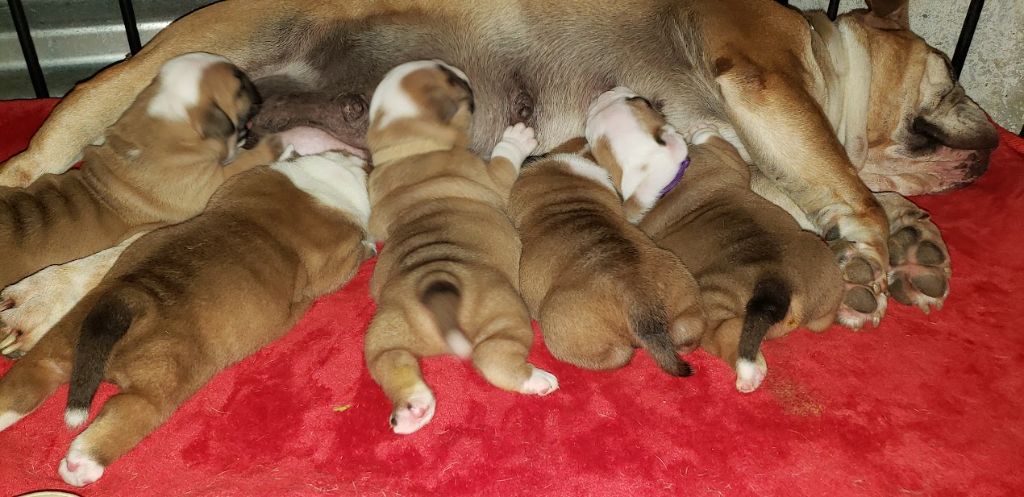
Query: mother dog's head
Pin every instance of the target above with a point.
(924, 134)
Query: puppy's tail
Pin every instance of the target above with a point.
(650, 324)
(767, 306)
(105, 324)
(440, 294)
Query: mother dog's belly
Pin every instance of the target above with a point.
(522, 69)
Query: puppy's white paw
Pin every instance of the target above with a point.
(517, 143)
(750, 375)
(416, 412)
(540, 383)
(9, 418)
(31, 307)
(78, 468)
(701, 132)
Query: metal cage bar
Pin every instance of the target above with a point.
(28, 49)
(963, 44)
(833, 9)
(131, 28)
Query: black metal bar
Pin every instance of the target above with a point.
(833, 9)
(963, 44)
(28, 49)
(131, 28)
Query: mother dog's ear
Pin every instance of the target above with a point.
(888, 14)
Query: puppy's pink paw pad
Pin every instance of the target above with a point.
(540, 383)
(78, 469)
(417, 412)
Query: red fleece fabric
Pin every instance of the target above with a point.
(924, 405)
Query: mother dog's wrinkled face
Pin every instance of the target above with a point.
(925, 135)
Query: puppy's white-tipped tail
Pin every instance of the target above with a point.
(458, 343)
(75, 416)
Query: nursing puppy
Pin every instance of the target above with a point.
(651, 151)
(157, 165)
(186, 301)
(446, 280)
(761, 276)
(597, 284)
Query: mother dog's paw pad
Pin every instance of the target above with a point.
(865, 300)
(920, 264)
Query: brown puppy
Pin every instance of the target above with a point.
(185, 301)
(597, 284)
(157, 165)
(446, 280)
(761, 276)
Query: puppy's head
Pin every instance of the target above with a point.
(923, 132)
(630, 139)
(429, 91)
(209, 94)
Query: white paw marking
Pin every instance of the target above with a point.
(77, 468)
(701, 133)
(9, 418)
(749, 374)
(540, 382)
(179, 82)
(417, 412)
(517, 143)
(74, 417)
(335, 179)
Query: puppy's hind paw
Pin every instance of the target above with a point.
(920, 263)
(540, 383)
(79, 469)
(414, 413)
(750, 375)
(516, 144)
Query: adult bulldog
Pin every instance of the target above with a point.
(827, 111)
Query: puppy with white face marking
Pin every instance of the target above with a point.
(157, 165)
(169, 315)
(597, 284)
(761, 276)
(446, 281)
(642, 152)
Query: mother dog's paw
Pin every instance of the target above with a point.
(865, 300)
(920, 262)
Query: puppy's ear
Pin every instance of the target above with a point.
(888, 14)
(216, 124)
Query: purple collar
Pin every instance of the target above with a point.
(675, 181)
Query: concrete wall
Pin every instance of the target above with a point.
(994, 71)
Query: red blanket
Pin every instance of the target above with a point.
(924, 405)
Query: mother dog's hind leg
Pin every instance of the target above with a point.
(792, 142)
(95, 104)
